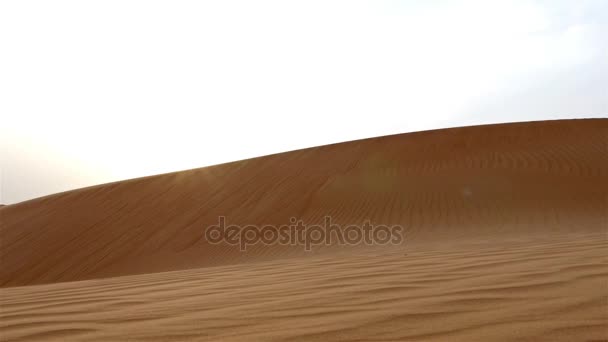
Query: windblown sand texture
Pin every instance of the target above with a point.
(507, 239)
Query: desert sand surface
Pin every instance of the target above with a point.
(506, 239)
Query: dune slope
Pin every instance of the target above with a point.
(506, 240)
(482, 183)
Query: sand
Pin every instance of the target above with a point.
(506, 239)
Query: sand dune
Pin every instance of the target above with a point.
(507, 233)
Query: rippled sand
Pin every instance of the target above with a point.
(507, 239)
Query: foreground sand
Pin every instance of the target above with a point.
(507, 239)
(549, 289)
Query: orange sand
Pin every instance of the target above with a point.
(507, 236)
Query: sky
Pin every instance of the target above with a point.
(99, 91)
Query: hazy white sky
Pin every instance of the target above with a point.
(97, 91)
